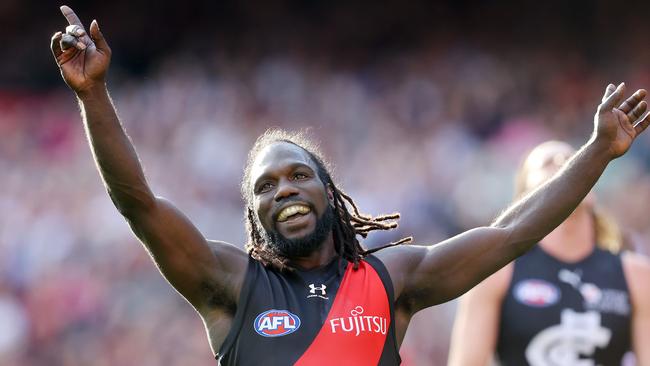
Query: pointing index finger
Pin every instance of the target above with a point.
(613, 99)
(610, 89)
(72, 18)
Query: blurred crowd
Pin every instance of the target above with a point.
(434, 132)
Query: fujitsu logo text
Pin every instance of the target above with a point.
(359, 323)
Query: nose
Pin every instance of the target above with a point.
(285, 189)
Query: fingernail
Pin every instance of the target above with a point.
(80, 32)
(81, 45)
(96, 24)
(621, 84)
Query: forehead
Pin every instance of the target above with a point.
(279, 156)
(553, 154)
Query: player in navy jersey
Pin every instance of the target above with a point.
(575, 299)
(305, 291)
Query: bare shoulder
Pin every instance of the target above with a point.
(223, 295)
(402, 256)
(399, 262)
(231, 251)
(233, 259)
(224, 291)
(636, 261)
(637, 272)
(636, 266)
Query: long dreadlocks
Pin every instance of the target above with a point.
(347, 225)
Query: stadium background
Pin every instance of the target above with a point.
(425, 108)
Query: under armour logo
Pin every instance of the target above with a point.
(313, 288)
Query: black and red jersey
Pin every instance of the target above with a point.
(558, 313)
(325, 316)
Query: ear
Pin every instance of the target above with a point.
(330, 194)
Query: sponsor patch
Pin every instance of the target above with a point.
(606, 300)
(276, 323)
(359, 323)
(536, 293)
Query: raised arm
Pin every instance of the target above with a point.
(206, 273)
(425, 276)
(537, 214)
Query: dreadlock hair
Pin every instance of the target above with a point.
(346, 226)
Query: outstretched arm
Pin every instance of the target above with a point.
(206, 274)
(425, 276)
(533, 217)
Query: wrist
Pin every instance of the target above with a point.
(599, 149)
(94, 91)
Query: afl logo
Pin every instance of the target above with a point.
(276, 323)
(536, 293)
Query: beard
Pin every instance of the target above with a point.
(303, 246)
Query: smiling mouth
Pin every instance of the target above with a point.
(292, 211)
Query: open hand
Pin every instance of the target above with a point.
(83, 57)
(618, 124)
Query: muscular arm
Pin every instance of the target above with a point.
(115, 156)
(476, 327)
(206, 274)
(425, 276)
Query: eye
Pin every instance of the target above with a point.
(300, 176)
(264, 187)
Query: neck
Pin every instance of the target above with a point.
(574, 239)
(319, 257)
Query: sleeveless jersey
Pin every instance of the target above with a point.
(557, 314)
(333, 315)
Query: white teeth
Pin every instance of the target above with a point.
(292, 210)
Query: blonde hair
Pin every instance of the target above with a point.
(607, 232)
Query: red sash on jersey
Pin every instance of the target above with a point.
(357, 325)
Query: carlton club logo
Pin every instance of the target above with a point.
(276, 323)
(536, 293)
(572, 342)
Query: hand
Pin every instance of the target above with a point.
(618, 126)
(82, 58)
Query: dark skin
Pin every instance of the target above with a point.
(284, 175)
(209, 274)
